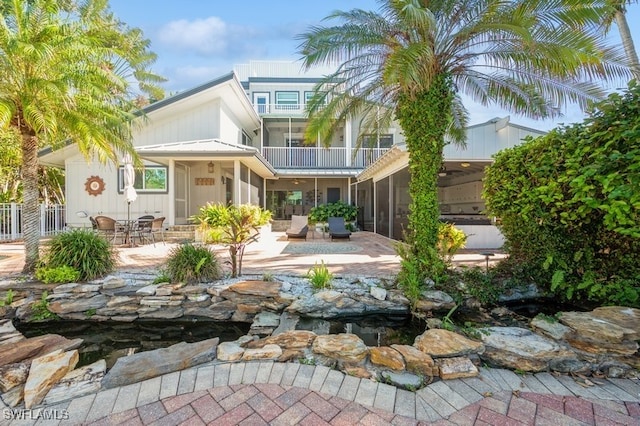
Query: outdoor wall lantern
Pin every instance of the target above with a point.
(210, 167)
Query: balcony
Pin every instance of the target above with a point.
(275, 110)
(321, 158)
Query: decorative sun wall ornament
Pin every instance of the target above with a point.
(94, 185)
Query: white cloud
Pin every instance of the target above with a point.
(203, 36)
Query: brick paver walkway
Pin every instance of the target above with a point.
(261, 393)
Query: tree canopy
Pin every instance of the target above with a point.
(70, 72)
(412, 59)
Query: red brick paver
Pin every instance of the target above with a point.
(284, 405)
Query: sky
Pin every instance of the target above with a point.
(199, 40)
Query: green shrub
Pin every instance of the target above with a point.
(188, 263)
(40, 309)
(320, 276)
(323, 212)
(57, 275)
(83, 251)
(8, 298)
(569, 204)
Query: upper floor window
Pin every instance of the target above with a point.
(287, 100)
(149, 179)
(377, 141)
(246, 139)
(309, 95)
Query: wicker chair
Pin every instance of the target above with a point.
(109, 228)
(148, 229)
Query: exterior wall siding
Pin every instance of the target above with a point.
(110, 202)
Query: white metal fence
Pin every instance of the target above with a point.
(52, 220)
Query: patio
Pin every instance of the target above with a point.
(366, 254)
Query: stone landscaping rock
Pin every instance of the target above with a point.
(28, 348)
(230, 351)
(434, 300)
(403, 380)
(12, 375)
(552, 329)
(148, 290)
(45, 372)
(378, 293)
(110, 283)
(599, 334)
(265, 352)
(387, 357)
(327, 304)
(61, 307)
(520, 349)
(444, 343)
(342, 347)
(627, 318)
(13, 397)
(76, 383)
(8, 333)
(597, 328)
(161, 313)
(261, 289)
(417, 361)
(456, 368)
(145, 365)
(296, 339)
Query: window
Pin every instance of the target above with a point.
(149, 179)
(377, 141)
(246, 139)
(287, 100)
(309, 95)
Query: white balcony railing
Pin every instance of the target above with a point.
(312, 157)
(284, 109)
(52, 220)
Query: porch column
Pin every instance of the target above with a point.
(347, 141)
(375, 207)
(261, 136)
(315, 193)
(237, 194)
(349, 190)
(264, 193)
(248, 185)
(391, 207)
(171, 215)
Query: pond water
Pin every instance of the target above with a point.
(111, 340)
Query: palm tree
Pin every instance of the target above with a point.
(620, 18)
(412, 59)
(67, 69)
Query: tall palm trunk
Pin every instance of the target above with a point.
(30, 208)
(425, 118)
(627, 42)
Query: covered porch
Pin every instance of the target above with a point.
(209, 171)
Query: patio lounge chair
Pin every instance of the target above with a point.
(337, 228)
(298, 228)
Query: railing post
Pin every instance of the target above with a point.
(43, 220)
(14, 221)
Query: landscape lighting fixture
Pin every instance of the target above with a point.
(210, 167)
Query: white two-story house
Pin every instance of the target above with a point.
(239, 139)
